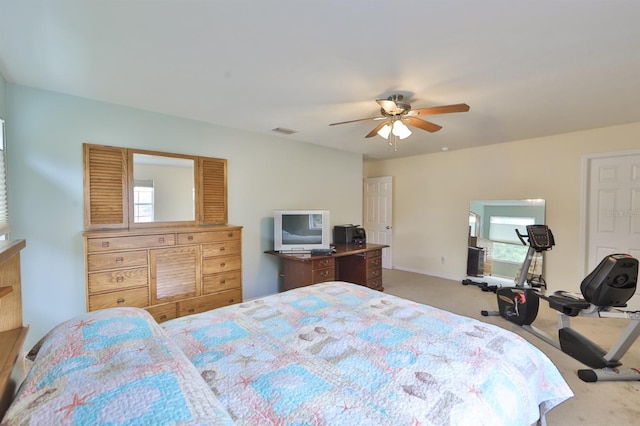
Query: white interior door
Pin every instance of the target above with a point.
(612, 209)
(377, 209)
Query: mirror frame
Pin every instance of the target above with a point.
(130, 184)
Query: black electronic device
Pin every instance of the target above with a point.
(540, 237)
(349, 234)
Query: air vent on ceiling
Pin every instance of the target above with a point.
(284, 131)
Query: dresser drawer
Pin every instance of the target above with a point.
(221, 249)
(322, 275)
(137, 297)
(116, 280)
(126, 259)
(214, 265)
(211, 301)
(95, 245)
(208, 236)
(323, 263)
(219, 282)
(163, 312)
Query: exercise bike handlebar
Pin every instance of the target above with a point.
(521, 237)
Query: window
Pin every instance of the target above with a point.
(4, 203)
(143, 201)
(502, 230)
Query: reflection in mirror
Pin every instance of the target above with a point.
(163, 188)
(493, 246)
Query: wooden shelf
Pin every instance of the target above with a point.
(4, 291)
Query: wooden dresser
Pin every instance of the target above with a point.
(12, 331)
(170, 271)
(183, 258)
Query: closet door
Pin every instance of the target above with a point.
(105, 187)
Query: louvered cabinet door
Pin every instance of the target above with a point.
(213, 191)
(105, 187)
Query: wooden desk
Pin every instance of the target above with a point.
(359, 264)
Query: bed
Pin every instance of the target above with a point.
(330, 354)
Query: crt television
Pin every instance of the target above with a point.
(300, 231)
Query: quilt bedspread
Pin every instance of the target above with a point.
(113, 367)
(338, 353)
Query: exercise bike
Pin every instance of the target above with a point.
(608, 287)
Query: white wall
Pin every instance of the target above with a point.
(432, 193)
(45, 135)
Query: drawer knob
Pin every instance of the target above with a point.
(161, 239)
(230, 235)
(231, 300)
(191, 310)
(163, 317)
(222, 248)
(119, 259)
(105, 244)
(223, 282)
(223, 264)
(120, 301)
(190, 238)
(119, 279)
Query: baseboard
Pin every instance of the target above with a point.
(430, 273)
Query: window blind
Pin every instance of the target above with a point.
(4, 204)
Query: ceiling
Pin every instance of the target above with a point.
(530, 69)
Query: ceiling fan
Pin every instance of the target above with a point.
(396, 114)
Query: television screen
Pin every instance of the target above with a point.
(301, 230)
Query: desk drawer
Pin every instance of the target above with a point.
(116, 280)
(323, 263)
(221, 249)
(133, 242)
(117, 260)
(375, 284)
(374, 273)
(219, 282)
(212, 301)
(137, 297)
(322, 275)
(214, 265)
(208, 236)
(373, 253)
(374, 262)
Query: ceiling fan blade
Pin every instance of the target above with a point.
(375, 130)
(421, 124)
(440, 109)
(355, 121)
(389, 106)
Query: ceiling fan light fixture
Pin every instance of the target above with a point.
(385, 131)
(400, 129)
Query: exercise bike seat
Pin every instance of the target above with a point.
(568, 303)
(611, 284)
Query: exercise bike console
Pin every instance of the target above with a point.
(540, 237)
